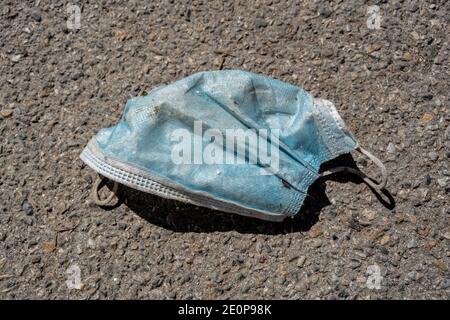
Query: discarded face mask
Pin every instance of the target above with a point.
(228, 140)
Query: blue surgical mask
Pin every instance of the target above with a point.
(229, 140)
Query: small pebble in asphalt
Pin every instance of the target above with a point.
(446, 284)
(16, 58)
(122, 226)
(259, 23)
(442, 181)
(36, 17)
(427, 179)
(433, 156)
(390, 148)
(447, 133)
(27, 208)
(5, 113)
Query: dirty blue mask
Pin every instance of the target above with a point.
(228, 140)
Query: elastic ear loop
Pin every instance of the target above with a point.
(366, 179)
(95, 196)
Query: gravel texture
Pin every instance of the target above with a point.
(59, 86)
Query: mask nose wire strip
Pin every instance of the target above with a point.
(367, 180)
(95, 196)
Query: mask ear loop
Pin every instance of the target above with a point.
(95, 196)
(366, 179)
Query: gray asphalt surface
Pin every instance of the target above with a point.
(59, 86)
